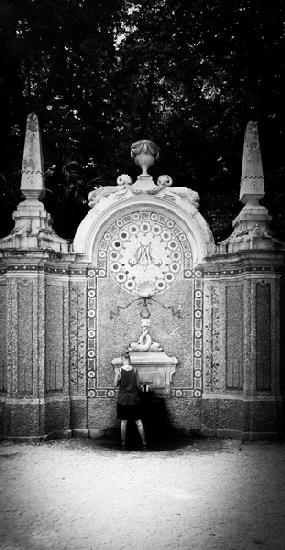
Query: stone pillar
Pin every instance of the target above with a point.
(56, 343)
(34, 372)
(3, 345)
(24, 397)
(77, 348)
(38, 347)
(242, 394)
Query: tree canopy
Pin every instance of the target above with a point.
(188, 74)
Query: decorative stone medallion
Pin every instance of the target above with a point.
(145, 252)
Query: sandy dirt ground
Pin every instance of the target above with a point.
(203, 494)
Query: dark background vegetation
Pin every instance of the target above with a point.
(188, 74)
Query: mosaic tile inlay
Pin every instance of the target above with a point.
(180, 392)
(144, 252)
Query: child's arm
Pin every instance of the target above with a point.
(117, 378)
(139, 384)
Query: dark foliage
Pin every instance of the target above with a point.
(100, 75)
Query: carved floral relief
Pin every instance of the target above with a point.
(213, 353)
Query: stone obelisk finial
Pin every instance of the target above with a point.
(33, 227)
(252, 179)
(32, 182)
(251, 224)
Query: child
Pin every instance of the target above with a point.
(128, 403)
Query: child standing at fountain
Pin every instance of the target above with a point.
(128, 403)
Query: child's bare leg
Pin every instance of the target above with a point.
(123, 431)
(141, 430)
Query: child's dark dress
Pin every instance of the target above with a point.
(128, 404)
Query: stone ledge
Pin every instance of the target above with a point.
(249, 436)
(243, 398)
(78, 433)
(61, 434)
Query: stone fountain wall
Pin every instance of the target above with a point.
(58, 340)
(143, 252)
(115, 314)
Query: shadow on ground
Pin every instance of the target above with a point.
(156, 424)
(164, 442)
(172, 443)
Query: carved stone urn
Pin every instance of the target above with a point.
(144, 153)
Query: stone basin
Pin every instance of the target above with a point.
(155, 369)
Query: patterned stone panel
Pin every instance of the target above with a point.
(57, 415)
(210, 416)
(12, 336)
(3, 337)
(265, 418)
(66, 352)
(212, 339)
(249, 351)
(54, 325)
(234, 337)
(23, 419)
(176, 322)
(144, 269)
(25, 336)
(184, 414)
(25, 330)
(102, 413)
(263, 337)
(78, 336)
(282, 332)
